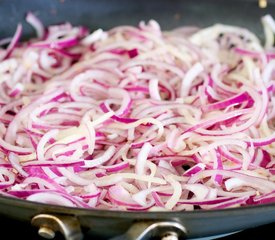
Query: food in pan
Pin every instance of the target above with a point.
(138, 119)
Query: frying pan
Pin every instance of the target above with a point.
(76, 222)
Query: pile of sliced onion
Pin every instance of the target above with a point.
(138, 119)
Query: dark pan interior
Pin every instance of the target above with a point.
(170, 14)
(109, 13)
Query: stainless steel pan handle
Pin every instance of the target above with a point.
(49, 224)
(69, 226)
(145, 230)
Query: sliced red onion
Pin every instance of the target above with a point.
(37, 24)
(101, 159)
(116, 167)
(229, 204)
(105, 109)
(209, 123)
(172, 202)
(137, 119)
(189, 78)
(238, 99)
(120, 196)
(7, 178)
(59, 44)
(14, 41)
(17, 90)
(73, 177)
(218, 165)
(95, 36)
(157, 199)
(41, 145)
(12, 148)
(13, 158)
(266, 198)
(132, 53)
(261, 184)
(200, 191)
(22, 193)
(142, 158)
(153, 89)
(196, 168)
(50, 198)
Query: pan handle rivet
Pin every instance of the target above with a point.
(46, 232)
(49, 224)
(170, 236)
